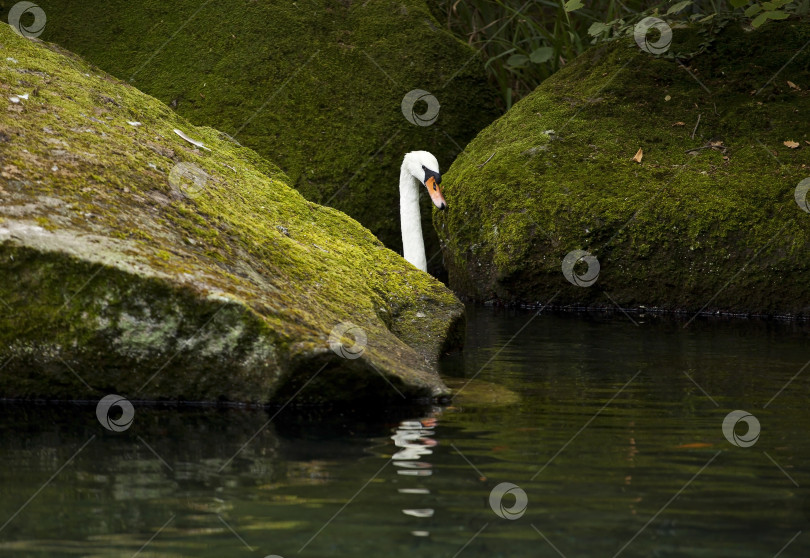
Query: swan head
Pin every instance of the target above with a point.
(424, 167)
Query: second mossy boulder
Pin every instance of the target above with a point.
(676, 180)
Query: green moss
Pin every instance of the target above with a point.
(227, 290)
(717, 226)
(315, 87)
(45, 223)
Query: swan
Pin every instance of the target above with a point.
(418, 168)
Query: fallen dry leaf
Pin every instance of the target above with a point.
(678, 124)
(718, 143)
(791, 144)
(638, 156)
(807, 142)
(794, 86)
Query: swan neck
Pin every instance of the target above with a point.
(413, 245)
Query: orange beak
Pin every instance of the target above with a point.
(435, 193)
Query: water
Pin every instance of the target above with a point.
(617, 450)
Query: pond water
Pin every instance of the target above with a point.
(609, 431)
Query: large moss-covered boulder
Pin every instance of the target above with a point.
(706, 217)
(144, 256)
(315, 86)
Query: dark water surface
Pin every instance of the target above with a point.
(613, 431)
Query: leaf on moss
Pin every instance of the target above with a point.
(639, 155)
(791, 144)
(678, 124)
(199, 144)
(794, 86)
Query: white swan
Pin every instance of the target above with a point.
(418, 168)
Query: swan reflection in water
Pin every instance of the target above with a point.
(413, 437)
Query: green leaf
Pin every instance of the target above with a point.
(739, 3)
(707, 18)
(768, 6)
(753, 10)
(597, 29)
(517, 60)
(542, 54)
(776, 15)
(759, 20)
(573, 5)
(498, 57)
(678, 7)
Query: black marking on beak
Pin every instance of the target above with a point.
(437, 177)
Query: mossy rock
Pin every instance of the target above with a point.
(316, 87)
(706, 223)
(120, 273)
